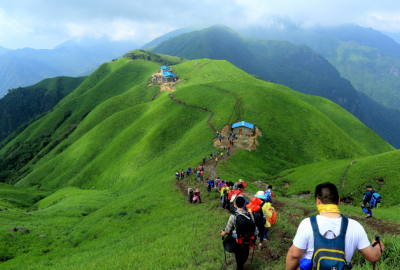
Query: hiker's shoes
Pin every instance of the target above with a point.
(368, 216)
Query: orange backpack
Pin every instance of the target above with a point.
(272, 220)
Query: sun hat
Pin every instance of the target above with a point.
(368, 186)
(260, 194)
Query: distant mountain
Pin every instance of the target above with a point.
(298, 67)
(3, 50)
(23, 104)
(24, 67)
(159, 40)
(394, 36)
(367, 58)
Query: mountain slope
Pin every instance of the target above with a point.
(157, 41)
(22, 104)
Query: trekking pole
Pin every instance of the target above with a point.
(224, 252)
(254, 247)
(378, 241)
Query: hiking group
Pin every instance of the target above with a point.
(249, 222)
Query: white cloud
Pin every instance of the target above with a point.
(44, 23)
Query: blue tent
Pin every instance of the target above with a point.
(168, 74)
(243, 124)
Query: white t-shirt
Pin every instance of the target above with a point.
(356, 237)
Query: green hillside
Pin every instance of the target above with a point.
(22, 104)
(108, 151)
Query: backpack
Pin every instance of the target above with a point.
(375, 199)
(268, 195)
(259, 217)
(235, 186)
(272, 220)
(232, 201)
(245, 228)
(329, 253)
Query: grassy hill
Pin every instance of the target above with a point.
(114, 143)
(22, 104)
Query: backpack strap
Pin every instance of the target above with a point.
(343, 227)
(314, 224)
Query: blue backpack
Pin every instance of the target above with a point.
(329, 253)
(267, 195)
(375, 199)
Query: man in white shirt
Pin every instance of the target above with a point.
(329, 224)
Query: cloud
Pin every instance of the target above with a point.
(44, 23)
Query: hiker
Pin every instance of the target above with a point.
(198, 175)
(201, 175)
(201, 168)
(269, 194)
(227, 152)
(190, 194)
(195, 170)
(211, 156)
(204, 159)
(222, 154)
(177, 174)
(182, 174)
(261, 213)
(229, 147)
(216, 160)
(241, 226)
(220, 138)
(215, 155)
(235, 194)
(219, 152)
(210, 184)
(197, 196)
(188, 172)
(330, 228)
(225, 194)
(217, 182)
(371, 199)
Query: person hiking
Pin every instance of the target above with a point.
(204, 160)
(190, 194)
(222, 154)
(198, 175)
(219, 152)
(196, 196)
(368, 204)
(201, 175)
(242, 227)
(260, 215)
(225, 194)
(187, 172)
(211, 156)
(217, 183)
(344, 235)
(216, 160)
(177, 174)
(215, 155)
(210, 184)
(195, 170)
(182, 174)
(269, 194)
(200, 168)
(229, 146)
(227, 152)
(235, 195)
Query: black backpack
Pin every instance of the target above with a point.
(245, 228)
(259, 217)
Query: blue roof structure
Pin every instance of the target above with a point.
(164, 68)
(168, 74)
(243, 124)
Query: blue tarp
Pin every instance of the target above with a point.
(164, 68)
(168, 74)
(243, 124)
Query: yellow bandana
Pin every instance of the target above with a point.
(328, 208)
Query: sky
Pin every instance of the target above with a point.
(43, 24)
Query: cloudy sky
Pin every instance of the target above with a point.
(43, 24)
